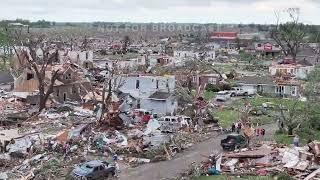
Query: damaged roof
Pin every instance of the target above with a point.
(5, 77)
(160, 95)
(267, 80)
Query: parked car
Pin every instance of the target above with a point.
(239, 91)
(234, 141)
(95, 169)
(223, 96)
(184, 120)
(169, 124)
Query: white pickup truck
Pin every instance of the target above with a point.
(239, 91)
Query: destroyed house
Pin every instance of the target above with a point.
(287, 67)
(197, 80)
(267, 48)
(130, 62)
(153, 93)
(70, 85)
(82, 58)
(195, 53)
(225, 39)
(158, 60)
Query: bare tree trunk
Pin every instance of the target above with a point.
(103, 104)
(290, 130)
(108, 99)
(42, 100)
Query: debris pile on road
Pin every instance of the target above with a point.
(266, 159)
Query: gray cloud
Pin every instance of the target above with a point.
(151, 10)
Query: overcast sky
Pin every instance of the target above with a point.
(196, 11)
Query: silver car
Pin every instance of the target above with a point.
(223, 96)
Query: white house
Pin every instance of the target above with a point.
(78, 57)
(153, 93)
(130, 64)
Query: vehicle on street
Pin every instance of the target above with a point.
(234, 141)
(223, 96)
(95, 169)
(239, 91)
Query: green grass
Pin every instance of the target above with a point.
(304, 136)
(283, 139)
(223, 177)
(209, 95)
(262, 120)
(257, 101)
(230, 115)
(227, 117)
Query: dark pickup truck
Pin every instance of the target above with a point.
(234, 141)
(94, 170)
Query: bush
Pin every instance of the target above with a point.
(315, 123)
(217, 88)
(213, 88)
(225, 87)
(280, 131)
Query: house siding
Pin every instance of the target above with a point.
(148, 86)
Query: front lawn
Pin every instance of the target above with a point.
(227, 117)
(283, 139)
(304, 135)
(209, 95)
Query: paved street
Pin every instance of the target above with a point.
(172, 168)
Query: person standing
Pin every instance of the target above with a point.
(296, 140)
(257, 132)
(263, 132)
(233, 127)
(239, 128)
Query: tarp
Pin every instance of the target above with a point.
(20, 145)
(152, 126)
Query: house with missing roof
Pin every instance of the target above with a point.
(267, 48)
(287, 67)
(224, 39)
(267, 85)
(71, 84)
(152, 93)
(201, 53)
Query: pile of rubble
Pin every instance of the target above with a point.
(268, 159)
(52, 142)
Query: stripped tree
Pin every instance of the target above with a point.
(25, 47)
(291, 34)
